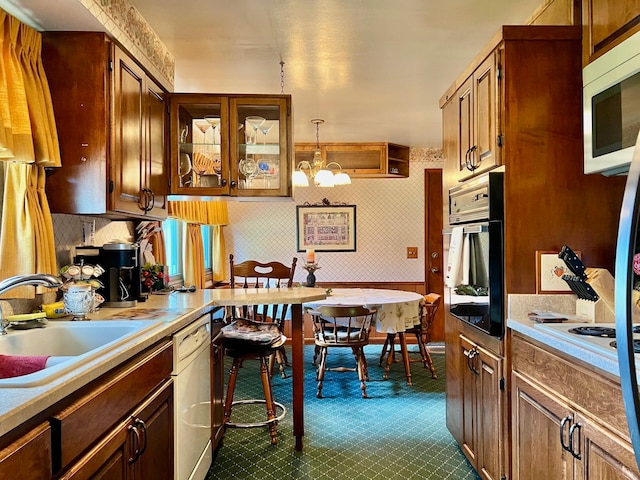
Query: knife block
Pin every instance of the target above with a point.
(595, 312)
(602, 310)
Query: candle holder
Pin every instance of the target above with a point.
(311, 268)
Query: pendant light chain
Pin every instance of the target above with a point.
(282, 77)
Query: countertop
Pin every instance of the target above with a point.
(167, 314)
(575, 346)
(568, 344)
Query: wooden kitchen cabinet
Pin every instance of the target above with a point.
(482, 409)
(120, 423)
(138, 448)
(217, 384)
(247, 154)
(476, 119)
(29, 456)
(359, 160)
(606, 24)
(568, 422)
(111, 119)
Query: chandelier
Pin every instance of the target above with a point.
(317, 170)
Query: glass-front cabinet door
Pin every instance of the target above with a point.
(237, 145)
(261, 145)
(199, 144)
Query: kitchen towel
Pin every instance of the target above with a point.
(453, 274)
(18, 365)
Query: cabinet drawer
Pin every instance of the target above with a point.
(106, 402)
(29, 457)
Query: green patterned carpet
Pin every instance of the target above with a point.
(397, 433)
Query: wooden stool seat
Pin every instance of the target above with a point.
(251, 351)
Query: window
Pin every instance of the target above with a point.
(173, 237)
(174, 233)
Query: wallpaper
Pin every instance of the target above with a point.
(389, 218)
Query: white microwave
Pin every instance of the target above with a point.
(611, 101)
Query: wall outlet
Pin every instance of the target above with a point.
(412, 252)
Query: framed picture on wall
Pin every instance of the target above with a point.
(549, 271)
(326, 228)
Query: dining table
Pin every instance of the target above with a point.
(397, 311)
(295, 297)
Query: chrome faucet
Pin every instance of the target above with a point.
(10, 283)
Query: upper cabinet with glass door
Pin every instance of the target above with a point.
(238, 145)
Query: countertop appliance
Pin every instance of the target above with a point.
(192, 402)
(121, 279)
(477, 207)
(628, 245)
(611, 89)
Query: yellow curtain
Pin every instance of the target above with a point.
(19, 123)
(205, 213)
(26, 231)
(197, 213)
(158, 247)
(43, 127)
(218, 254)
(6, 140)
(194, 257)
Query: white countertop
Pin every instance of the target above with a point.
(591, 350)
(166, 313)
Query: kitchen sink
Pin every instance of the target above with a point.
(70, 344)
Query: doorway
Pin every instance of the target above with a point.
(434, 281)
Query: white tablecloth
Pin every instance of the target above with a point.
(397, 309)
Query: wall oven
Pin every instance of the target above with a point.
(475, 267)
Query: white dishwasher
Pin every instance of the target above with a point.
(192, 402)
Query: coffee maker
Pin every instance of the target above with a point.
(121, 277)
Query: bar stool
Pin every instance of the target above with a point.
(245, 339)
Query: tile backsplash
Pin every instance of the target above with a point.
(68, 233)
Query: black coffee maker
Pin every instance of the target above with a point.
(121, 277)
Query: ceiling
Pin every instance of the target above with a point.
(374, 70)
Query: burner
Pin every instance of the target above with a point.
(636, 345)
(606, 332)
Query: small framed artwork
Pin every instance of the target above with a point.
(326, 228)
(549, 271)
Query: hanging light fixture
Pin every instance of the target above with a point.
(317, 170)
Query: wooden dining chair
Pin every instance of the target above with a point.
(422, 332)
(254, 274)
(342, 326)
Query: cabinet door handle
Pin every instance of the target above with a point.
(576, 427)
(565, 421)
(151, 201)
(143, 429)
(135, 443)
(471, 354)
(223, 182)
(471, 164)
(467, 164)
(233, 183)
(147, 200)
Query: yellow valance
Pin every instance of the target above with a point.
(206, 213)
